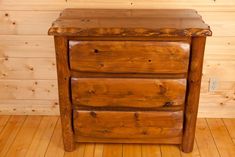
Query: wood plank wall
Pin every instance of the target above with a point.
(27, 61)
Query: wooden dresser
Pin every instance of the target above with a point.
(129, 76)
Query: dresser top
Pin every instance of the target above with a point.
(129, 23)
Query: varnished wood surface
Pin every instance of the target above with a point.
(214, 137)
(129, 56)
(128, 127)
(75, 22)
(129, 92)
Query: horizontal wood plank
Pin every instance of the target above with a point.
(207, 5)
(28, 89)
(24, 46)
(28, 68)
(29, 107)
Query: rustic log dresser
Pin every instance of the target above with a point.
(129, 76)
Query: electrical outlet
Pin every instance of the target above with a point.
(213, 84)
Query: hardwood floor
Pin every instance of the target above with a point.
(37, 136)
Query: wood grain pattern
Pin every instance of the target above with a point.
(136, 93)
(128, 126)
(129, 56)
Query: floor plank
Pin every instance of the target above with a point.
(42, 137)
(89, 150)
(113, 150)
(55, 147)
(8, 134)
(205, 141)
(170, 151)
(131, 150)
(98, 150)
(230, 125)
(78, 152)
(221, 136)
(151, 150)
(3, 121)
(24, 137)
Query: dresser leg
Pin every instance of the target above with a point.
(68, 138)
(193, 87)
(63, 72)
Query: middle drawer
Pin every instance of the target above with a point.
(128, 92)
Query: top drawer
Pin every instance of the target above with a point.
(129, 56)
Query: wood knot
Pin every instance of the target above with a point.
(162, 89)
(91, 91)
(136, 115)
(168, 104)
(96, 51)
(144, 132)
(31, 68)
(93, 114)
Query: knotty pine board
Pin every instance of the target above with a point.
(201, 5)
(25, 107)
(28, 89)
(26, 46)
(28, 68)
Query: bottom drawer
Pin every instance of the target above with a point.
(128, 126)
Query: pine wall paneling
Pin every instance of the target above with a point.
(28, 82)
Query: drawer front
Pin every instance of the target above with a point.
(128, 127)
(128, 92)
(129, 56)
